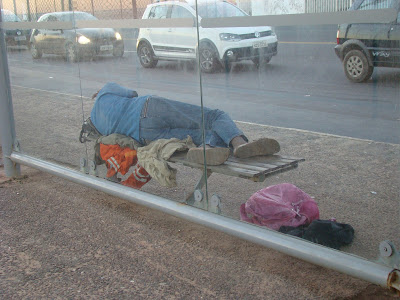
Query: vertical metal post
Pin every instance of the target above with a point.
(134, 9)
(28, 7)
(36, 13)
(15, 8)
(7, 128)
(91, 2)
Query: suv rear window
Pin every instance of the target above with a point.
(374, 4)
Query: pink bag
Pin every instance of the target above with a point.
(280, 205)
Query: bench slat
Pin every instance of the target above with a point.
(247, 167)
(254, 168)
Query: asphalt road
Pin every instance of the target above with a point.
(303, 87)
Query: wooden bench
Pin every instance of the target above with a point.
(256, 169)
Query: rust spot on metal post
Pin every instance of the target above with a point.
(393, 281)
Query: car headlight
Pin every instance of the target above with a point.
(230, 37)
(83, 40)
(118, 36)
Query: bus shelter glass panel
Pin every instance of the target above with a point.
(144, 100)
(44, 79)
(223, 74)
(326, 88)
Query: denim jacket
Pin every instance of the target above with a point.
(117, 110)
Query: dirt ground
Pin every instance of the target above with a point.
(63, 240)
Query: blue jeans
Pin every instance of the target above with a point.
(164, 119)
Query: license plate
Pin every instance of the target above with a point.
(260, 44)
(106, 47)
(20, 38)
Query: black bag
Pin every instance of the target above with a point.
(88, 132)
(323, 232)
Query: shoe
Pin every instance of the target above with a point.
(214, 156)
(262, 146)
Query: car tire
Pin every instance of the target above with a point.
(118, 51)
(146, 56)
(35, 52)
(261, 61)
(356, 66)
(71, 54)
(208, 58)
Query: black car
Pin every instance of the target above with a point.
(14, 37)
(361, 47)
(77, 42)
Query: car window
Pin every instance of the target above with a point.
(152, 13)
(219, 10)
(180, 12)
(158, 12)
(43, 19)
(374, 4)
(52, 19)
(70, 17)
(8, 16)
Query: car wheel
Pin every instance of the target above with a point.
(70, 53)
(35, 52)
(146, 56)
(356, 66)
(261, 61)
(208, 58)
(118, 51)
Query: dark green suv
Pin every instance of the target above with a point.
(361, 47)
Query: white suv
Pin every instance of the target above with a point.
(218, 46)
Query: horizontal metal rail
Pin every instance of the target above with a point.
(386, 15)
(326, 257)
